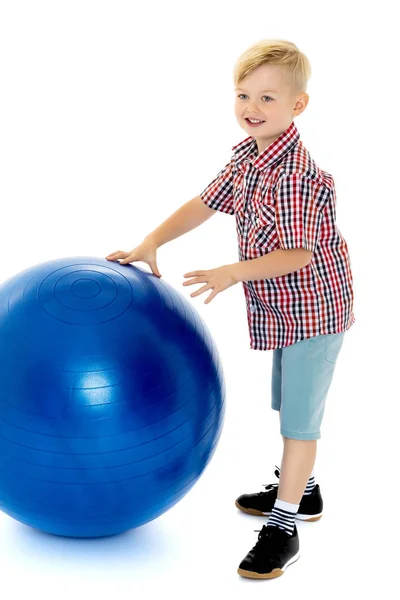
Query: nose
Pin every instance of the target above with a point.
(251, 109)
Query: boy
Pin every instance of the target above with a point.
(295, 271)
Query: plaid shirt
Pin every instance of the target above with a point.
(282, 199)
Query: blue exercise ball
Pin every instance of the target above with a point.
(112, 397)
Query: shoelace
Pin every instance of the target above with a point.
(269, 487)
(266, 533)
(264, 536)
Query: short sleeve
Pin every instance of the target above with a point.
(219, 193)
(299, 204)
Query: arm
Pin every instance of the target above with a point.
(276, 263)
(298, 215)
(187, 217)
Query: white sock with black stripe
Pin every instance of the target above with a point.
(283, 515)
(310, 484)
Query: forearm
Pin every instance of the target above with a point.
(187, 217)
(275, 264)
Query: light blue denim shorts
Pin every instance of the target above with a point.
(301, 377)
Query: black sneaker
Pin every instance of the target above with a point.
(262, 503)
(275, 550)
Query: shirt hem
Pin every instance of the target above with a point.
(261, 346)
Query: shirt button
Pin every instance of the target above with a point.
(252, 308)
(239, 187)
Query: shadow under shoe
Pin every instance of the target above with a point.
(261, 503)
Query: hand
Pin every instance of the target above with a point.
(145, 252)
(216, 279)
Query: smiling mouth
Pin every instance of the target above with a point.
(254, 124)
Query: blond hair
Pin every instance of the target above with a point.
(275, 52)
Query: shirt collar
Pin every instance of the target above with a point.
(246, 151)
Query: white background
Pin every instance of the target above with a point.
(112, 115)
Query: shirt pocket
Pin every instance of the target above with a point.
(262, 230)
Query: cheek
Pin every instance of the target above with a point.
(238, 111)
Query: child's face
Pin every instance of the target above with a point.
(277, 106)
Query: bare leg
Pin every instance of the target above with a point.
(297, 465)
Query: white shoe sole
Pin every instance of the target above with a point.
(274, 573)
(300, 516)
(308, 517)
(292, 560)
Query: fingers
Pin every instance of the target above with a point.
(196, 280)
(201, 290)
(128, 257)
(194, 274)
(115, 255)
(210, 297)
(154, 268)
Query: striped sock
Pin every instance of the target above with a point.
(283, 515)
(310, 485)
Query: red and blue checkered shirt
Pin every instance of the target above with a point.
(282, 199)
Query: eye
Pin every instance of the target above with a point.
(262, 96)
